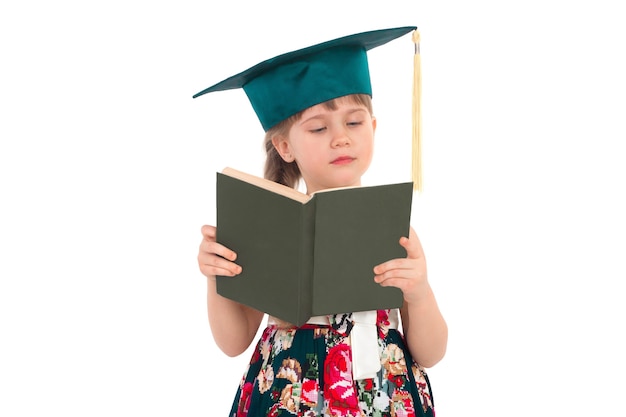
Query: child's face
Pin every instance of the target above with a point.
(333, 148)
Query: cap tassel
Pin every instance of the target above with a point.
(416, 160)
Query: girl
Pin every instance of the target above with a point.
(324, 134)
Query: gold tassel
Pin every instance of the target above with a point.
(416, 160)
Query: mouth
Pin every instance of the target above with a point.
(342, 160)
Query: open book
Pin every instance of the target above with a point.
(304, 256)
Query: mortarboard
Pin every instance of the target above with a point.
(289, 83)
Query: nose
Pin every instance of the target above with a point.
(340, 139)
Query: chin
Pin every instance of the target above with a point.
(348, 183)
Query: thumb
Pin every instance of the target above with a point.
(412, 245)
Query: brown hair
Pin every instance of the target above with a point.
(288, 173)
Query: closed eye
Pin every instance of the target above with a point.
(318, 130)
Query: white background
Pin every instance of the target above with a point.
(107, 170)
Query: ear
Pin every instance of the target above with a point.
(281, 144)
(374, 124)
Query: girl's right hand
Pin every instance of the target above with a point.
(214, 258)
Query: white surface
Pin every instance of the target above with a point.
(107, 173)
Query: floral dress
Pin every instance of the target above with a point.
(307, 371)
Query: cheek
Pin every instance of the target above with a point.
(308, 153)
(310, 161)
(368, 150)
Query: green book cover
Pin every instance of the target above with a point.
(304, 256)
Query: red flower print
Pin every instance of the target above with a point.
(402, 404)
(382, 322)
(396, 379)
(382, 317)
(310, 392)
(339, 387)
(369, 384)
(273, 412)
(275, 394)
(244, 400)
(422, 388)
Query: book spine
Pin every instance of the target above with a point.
(305, 275)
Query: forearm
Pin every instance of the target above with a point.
(233, 325)
(425, 329)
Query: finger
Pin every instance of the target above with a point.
(215, 265)
(209, 243)
(212, 271)
(209, 232)
(412, 245)
(212, 247)
(400, 283)
(392, 265)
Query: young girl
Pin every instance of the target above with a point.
(315, 105)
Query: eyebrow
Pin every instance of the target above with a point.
(320, 116)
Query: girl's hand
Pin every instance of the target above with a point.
(408, 274)
(214, 258)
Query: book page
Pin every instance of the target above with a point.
(267, 184)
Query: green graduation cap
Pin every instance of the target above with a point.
(289, 83)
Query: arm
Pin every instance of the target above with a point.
(425, 329)
(233, 325)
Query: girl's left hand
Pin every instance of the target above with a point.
(408, 274)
